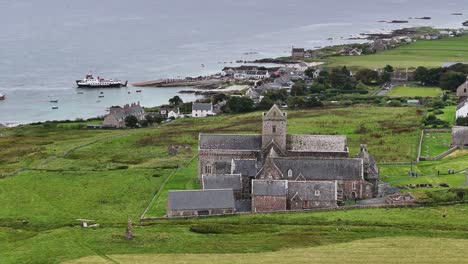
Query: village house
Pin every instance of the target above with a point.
(170, 112)
(462, 109)
(350, 51)
(202, 109)
(297, 53)
(200, 203)
(117, 115)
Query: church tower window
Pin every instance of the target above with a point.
(289, 173)
(273, 129)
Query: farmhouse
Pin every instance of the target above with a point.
(117, 115)
(202, 109)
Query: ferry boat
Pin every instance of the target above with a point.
(90, 82)
(2, 96)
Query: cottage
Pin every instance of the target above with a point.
(202, 109)
(117, 115)
(200, 202)
(170, 112)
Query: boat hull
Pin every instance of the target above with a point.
(111, 85)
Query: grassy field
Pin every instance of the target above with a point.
(114, 178)
(420, 53)
(414, 91)
(435, 143)
(375, 250)
(449, 114)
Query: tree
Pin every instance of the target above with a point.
(176, 100)
(317, 88)
(131, 121)
(367, 76)
(451, 80)
(420, 74)
(277, 96)
(240, 104)
(298, 89)
(388, 68)
(341, 81)
(313, 102)
(265, 104)
(309, 72)
(295, 102)
(218, 98)
(385, 77)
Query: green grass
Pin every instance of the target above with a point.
(421, 53)
(414, 91)
(449, 114)
(435, 143)
(375, 250)
(115, 178)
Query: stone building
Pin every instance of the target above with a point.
(276, 156)
(200, 203)
(297, 53)
(268, 196)
(460, 136)
(223, 181)
(117, 115)
(462, 91)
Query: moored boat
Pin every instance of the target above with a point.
(2, 96)
(90, 82)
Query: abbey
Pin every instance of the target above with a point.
(276, 171)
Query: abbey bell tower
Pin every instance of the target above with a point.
(274, 128)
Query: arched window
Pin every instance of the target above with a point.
(273, 129)
(208, 169)
(290, 173)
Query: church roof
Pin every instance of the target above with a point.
(247, 168)
(269, 188)
(322, 169)
(233, 142)
(201, 199)
(316, 143)
(306, 190)
(224, 181)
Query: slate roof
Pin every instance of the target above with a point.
(223, 181)
(322, 169)
(247, 168)
(201, 199)
(234, 142)
(306, 190)
(202, 106)
(269, 188)
(316, 143)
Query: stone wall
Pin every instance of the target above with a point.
(361, 190)
(268, 203)
(210, 157)
(201, 212)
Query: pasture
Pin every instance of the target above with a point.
(414, 91)
(428, 53)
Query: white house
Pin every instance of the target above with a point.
(462, 109)
(170, 112)
(202, 109)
